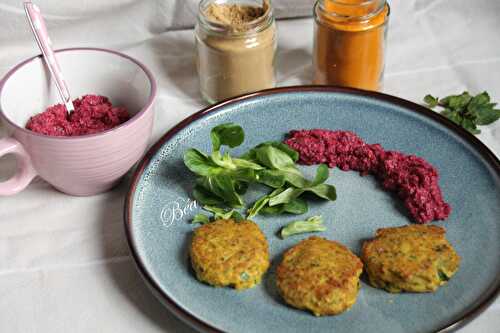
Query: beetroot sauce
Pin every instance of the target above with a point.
(413, 179)
(92, 114)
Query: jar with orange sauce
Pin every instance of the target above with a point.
(349, 42)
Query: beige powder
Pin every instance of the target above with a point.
(239, 60)
(234, 17)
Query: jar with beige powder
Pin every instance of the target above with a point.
(236, 47)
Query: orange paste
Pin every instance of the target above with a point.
(349, 48)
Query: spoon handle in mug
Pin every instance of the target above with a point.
(42, 38)
(25, 171)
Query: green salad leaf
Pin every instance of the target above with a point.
(201, 218)
(228, 134)
(251, 154)
(312, 224)
(223, 179)
(322, 174)
(224, 187)
(200, 163)
(271, 178)
(286, 196)
(218, 214)
(296, 206)
(257, 206)
(274, 158)
(205, 197)
(324, 191)
(242, 163)
(223, 161)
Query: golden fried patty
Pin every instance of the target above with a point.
(228, 253)
(319, 275)
(415, 258)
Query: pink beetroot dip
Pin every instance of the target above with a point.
(413, 179)
(92, 114)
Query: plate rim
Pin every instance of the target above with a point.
(454, 324)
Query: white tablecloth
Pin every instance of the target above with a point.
(64, 261)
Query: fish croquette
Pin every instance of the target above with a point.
(319, 275)
(229, 253)
(414, 258)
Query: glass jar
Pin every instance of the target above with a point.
(233, 59)
(349, 42)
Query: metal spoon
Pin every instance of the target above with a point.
(42, 38)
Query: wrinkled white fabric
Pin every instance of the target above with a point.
(64, 262)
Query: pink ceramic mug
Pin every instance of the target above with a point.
(80, 165)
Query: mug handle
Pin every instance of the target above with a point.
(25, 171)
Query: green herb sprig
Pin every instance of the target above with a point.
(466, 110)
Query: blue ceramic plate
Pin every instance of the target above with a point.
(158, 211)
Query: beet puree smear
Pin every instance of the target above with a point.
(92, 114)
(413, 179)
